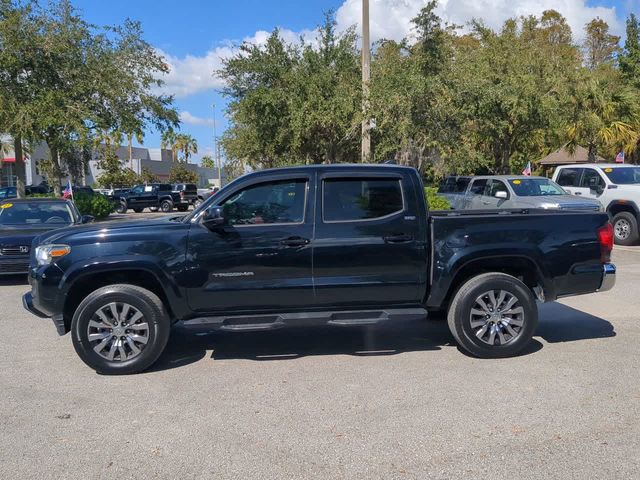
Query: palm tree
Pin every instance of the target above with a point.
(187, 145)
(169, 140)
(602, 117)
(139, 135)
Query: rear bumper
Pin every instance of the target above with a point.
(608, 277)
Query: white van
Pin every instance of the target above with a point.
(615, 185)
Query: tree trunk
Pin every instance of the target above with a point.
(20, 171)
(592, 153)
(130, 138)
(56, 173)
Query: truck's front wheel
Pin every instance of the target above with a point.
(625, 228)
(120, 329)
(493, 315)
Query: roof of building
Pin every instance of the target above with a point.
(562, 156)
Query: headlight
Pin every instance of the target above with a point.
(45, 254)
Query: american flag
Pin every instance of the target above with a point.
(620, 157)
(527, 170)
(68, 191)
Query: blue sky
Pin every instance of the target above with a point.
(194, 35)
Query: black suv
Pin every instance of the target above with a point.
(188, 195)
(156, 196)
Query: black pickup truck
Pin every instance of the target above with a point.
(338, 244)
(157, 196)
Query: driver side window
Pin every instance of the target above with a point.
(267, 203)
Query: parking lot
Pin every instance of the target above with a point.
(398, 401)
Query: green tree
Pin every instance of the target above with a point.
(21, 53)
(187, 145)
(600, 47)
(169, 140)
(630, 56)
(604, 112)
(292, 104)
(179, 173)
(208, 162)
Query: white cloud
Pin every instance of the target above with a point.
(389, 19)
(190, 119)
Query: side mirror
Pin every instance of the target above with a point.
(87, 219)
(502, 195)
(213, 217)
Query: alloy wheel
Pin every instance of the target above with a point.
(118, 331)
(497, 318)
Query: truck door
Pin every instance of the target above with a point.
(473, 198)
(592, 185)
(260, 258)
(368, 248)
(569, 180)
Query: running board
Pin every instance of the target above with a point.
(244, 323)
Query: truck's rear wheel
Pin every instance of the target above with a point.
(120, 329)
(625, 229)
(493, 315)
(166, 206)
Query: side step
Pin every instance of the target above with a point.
(244, 323)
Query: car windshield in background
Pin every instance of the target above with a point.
(535, 187)
(35, 213)
(623, 175)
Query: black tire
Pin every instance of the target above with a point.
(197, 203)
(625, 228)
(182, 208)
(166, 206)
(122, 207)
(460, 316)
(145, 302)
(138, 210)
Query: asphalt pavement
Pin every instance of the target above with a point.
(399, 401)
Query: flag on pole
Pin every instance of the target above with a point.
(527, 170)
(68, 191)
(620, 157)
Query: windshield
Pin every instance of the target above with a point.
(535, 187)
(623, 175)
(35, 213)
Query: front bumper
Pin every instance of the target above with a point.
(608, 277)
(58, 320)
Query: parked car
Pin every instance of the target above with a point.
(153, 195)
(519, 191)
(616, 186)
(453, 189)
(21, 220)
(12, 192)
(188, 195)
(328, 244)
(204, 194)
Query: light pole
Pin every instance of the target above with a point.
(366, 76)
(216, 155)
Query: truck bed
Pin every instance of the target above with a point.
(560, 247)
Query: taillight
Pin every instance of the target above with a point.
(605, 236)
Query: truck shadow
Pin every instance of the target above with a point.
(558, 323)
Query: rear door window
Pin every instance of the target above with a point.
(477, 187)
(353, 199)
(569, 177)
(591, 178)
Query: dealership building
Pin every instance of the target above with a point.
(157, 160)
